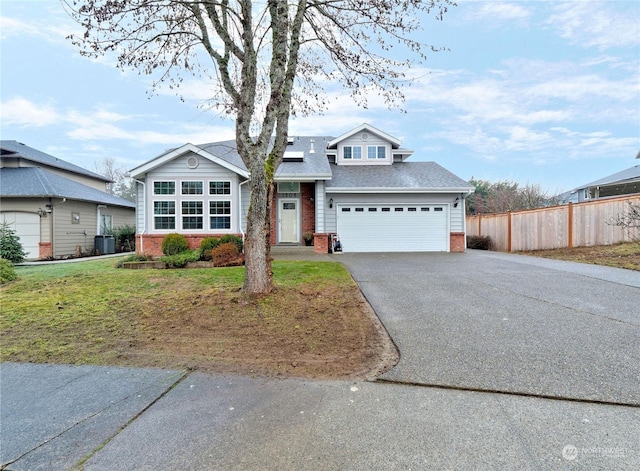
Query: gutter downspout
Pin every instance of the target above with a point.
(144, 212)
(240, 209)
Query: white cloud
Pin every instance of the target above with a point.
(493, 14)
(21, 112)
(595, 24)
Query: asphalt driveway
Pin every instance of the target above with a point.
(506, 323)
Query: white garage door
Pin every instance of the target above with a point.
(27, 227)
(393, 228)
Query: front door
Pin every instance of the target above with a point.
(288, 221)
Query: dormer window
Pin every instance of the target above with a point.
(352, 152)
(376, 152)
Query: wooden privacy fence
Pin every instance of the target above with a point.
(570, 225)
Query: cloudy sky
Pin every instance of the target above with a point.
(536, 92)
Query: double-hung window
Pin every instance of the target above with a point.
(192, 215)
(164, 215)
(376, 152)
(352, 152)
(220, 214)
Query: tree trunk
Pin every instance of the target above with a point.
(259, 277)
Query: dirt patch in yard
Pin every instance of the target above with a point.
(626, 255)
(304, 332)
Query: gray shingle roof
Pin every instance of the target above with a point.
(16, 149)
(425, 176)
(37, 182)
(313, 166)
(632, 173)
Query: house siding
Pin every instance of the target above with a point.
(68, 236)
(373, 140)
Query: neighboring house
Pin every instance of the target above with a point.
(55, 207)
(357, 186)
(625, 182)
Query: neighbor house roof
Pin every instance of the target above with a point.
(37, 182)
(400, 177)
(628, 175)
(15, 149)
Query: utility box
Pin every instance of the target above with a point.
(105, 244)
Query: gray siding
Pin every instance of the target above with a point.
(68, 235)
(373, 140)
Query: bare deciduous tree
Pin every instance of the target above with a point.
(119, 185)
(629, 220)
(266, 60)
(503, 196)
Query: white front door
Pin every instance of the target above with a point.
(289, 221)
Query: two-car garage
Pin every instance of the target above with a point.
(393, 227)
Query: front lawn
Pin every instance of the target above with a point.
(316, 324)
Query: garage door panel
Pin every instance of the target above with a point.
(27, 228)
(397, 229)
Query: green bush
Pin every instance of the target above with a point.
(7, 271)
(479, 242)
(181, 259)
(10, 247)
(173, 244)
(206, 246)
(234, 239)
(125, 238)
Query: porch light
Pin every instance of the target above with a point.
(331, 202)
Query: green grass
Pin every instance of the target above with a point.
(85, 312)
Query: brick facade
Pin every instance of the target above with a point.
(45, 250)
(151, 244)
(457, 242)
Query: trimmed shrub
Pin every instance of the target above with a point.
(181, 259)
(7, 271)
(206, 246)
(479, 242)
(173, 244)
(234, 239)
(10, 247)
(226, 255)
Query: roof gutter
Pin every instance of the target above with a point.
(465, 190)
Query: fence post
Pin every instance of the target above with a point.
(479, 224)
(570, 228)
(508, 231)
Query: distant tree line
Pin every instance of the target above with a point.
(506, 195)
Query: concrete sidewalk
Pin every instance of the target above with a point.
(104, 418)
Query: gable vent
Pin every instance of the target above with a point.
(192, 162)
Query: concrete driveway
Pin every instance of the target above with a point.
(486, 321)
